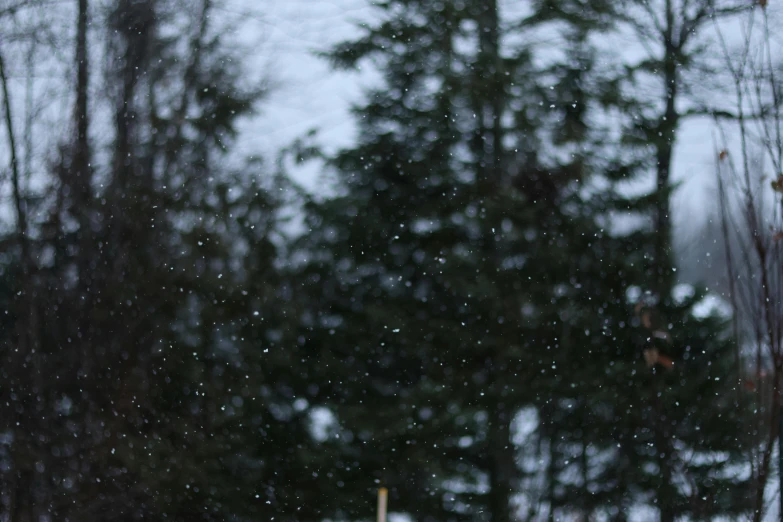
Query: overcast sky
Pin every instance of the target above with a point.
(307, 94)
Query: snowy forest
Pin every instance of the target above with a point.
(481, 301)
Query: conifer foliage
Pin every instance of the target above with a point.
(458, 318)
(467, 284)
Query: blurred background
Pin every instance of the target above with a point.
(513, 261)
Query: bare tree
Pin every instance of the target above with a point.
(662, 93)
(751, 213)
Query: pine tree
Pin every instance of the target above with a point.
(153, 384)
(467, 272)
(688, 358)
(445, 280)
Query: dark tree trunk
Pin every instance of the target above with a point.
(501, 465)
(492, 65)
(81, 158)
(663, 264)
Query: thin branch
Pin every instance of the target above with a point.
(719, 114)
(730, 270)
(775, 95)
(21, 218)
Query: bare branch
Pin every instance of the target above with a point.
(21, 217)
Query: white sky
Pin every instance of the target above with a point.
(306, 94)
(309, 95)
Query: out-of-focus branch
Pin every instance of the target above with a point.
(754, 254)
(21, 216)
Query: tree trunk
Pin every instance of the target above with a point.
(81, 160)
(81, 187)
(491, 68)
(663, 279)
(664, 147)
(489, 153)
(666, 495)
(501, 465)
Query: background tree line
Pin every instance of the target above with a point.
(481, 311)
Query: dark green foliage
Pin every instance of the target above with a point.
(447, 267)
(462, 322)
(152, 383)
(463, 275)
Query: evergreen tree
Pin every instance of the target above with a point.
(442, 276)
(704, 360)
(461, 322)
(689, 362)
(467, 272)
(144, 378)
